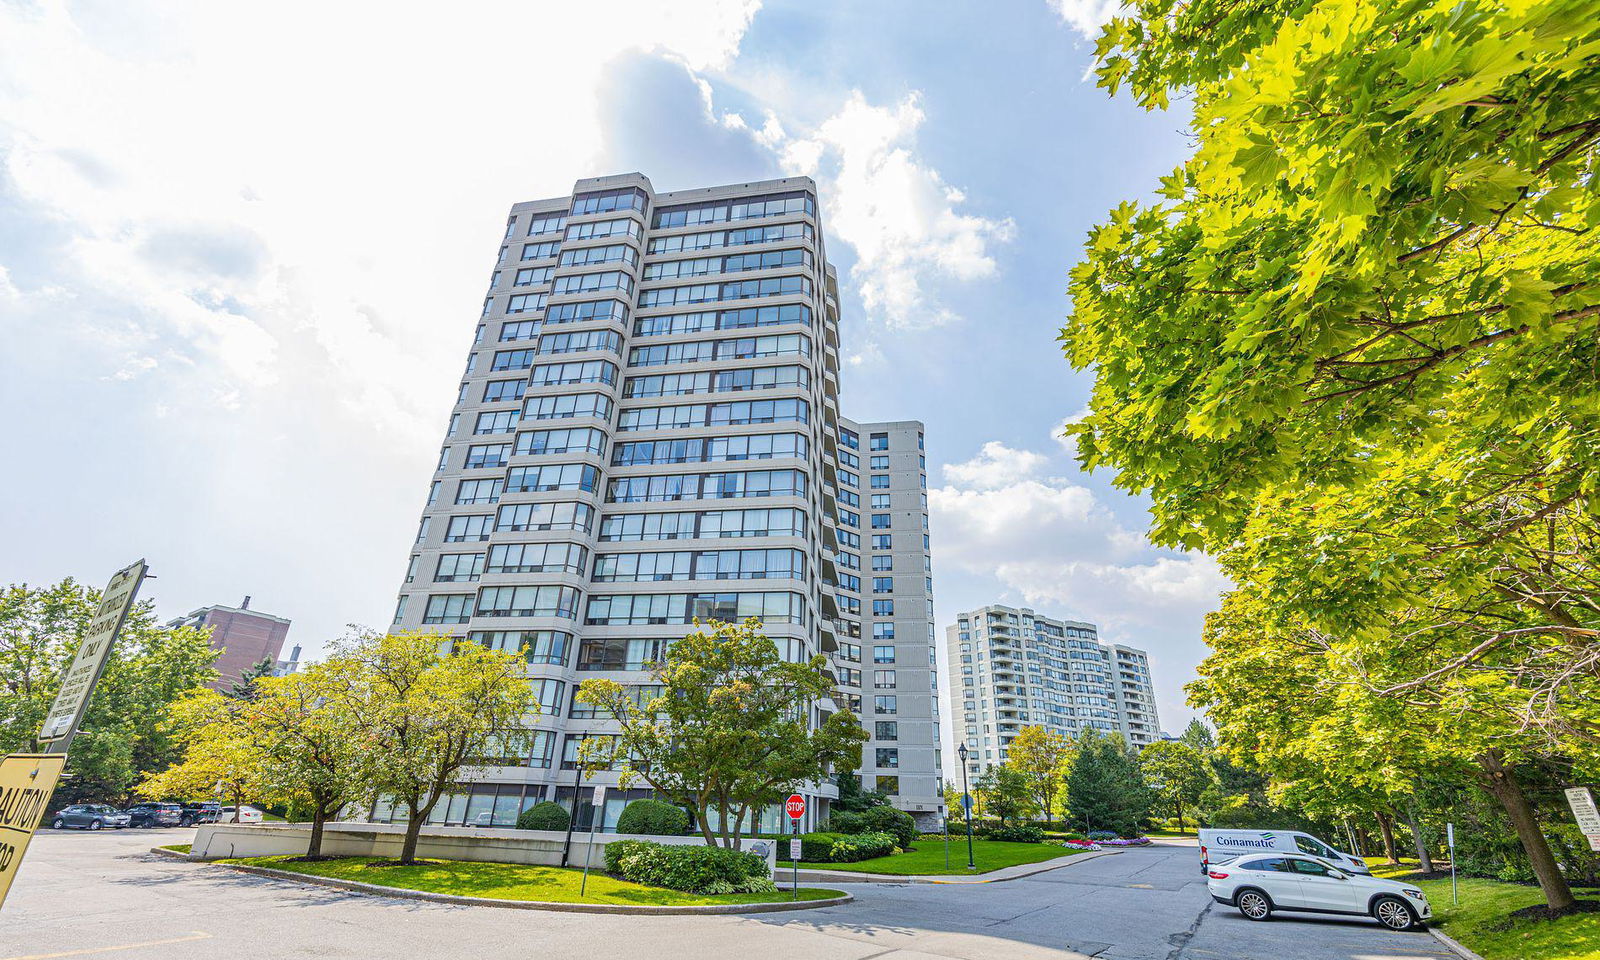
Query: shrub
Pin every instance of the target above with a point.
(543, 816)
(846, 821)
(1071, 835)
(1024, 834)
(656, 818)
(818, 847)
(896, 823)
(1102, 835)
(861, 846)
(691, 868)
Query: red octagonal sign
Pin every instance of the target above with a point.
(796, 806)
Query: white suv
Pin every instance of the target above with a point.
(1258, 885)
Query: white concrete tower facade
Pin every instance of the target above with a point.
(644, 435)
(884, 595)
(1012, 668)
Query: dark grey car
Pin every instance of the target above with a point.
(155, 815)
(88, 816)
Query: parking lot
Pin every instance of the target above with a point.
(104, 895)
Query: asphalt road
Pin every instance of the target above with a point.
(102, 895)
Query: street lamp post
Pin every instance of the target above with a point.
(966, 804)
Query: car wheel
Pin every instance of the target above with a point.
(1393, 913)
(1255, 905)
(59, 824)
(94, 824)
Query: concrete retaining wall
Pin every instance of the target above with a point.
(226, 840)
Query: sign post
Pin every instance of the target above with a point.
(595, 822)
(26, 779)
(966, 807)
(1450, 838)
(1585, 811)
(795, 807)
(26, 782)
(61, 723)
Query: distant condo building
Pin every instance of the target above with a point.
(245, 637)
(647, 433)
(1012, 668)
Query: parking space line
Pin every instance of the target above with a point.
(197, 935)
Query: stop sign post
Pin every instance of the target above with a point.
(795, 807)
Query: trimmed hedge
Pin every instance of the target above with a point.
(547, 815)
(694, 869)
(818, 847)
(655, 818)
(1023, 834)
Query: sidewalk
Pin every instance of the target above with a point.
(993, 876)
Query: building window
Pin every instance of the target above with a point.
(883, 585)
(888, 757)
(880, 441)
(882, 541)
(459, 568)
(888, 785)
(886, 730)
(880, 521)
(883, 562)
(883, 631)
(883, 608)
(880, 481)
(885, 704)
(884, 654)
(448, 608)
(883, 679)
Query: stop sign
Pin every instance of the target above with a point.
(795, 805)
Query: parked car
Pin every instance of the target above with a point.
(1258, 885)
(1219, 845)
(194, 813)
(247, 814)
(88, 816)
(154, 815)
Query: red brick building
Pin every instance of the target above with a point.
(245, 637)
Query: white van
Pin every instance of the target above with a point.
(1219, 845)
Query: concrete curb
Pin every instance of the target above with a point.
(174, 854)
(382, 891)
(1025, 870)
(1452, 945)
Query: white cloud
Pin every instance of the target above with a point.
(896, 211)
(1086, 16)
(996, 465)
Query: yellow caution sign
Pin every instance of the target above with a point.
(26, 782)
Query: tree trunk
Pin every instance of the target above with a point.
(1424, 858)
(1179, 806)
(314, 849)
(1502, 784)
(408, 850)
(703, 815)
(1386, 827)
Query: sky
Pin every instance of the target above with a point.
(243, 249)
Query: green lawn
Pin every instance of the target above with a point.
(177, 847)
(927, 858)
(1480, 921)
(513, 881)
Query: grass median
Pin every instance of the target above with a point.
(1482, 921)
(927, 858)
(515, 881)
